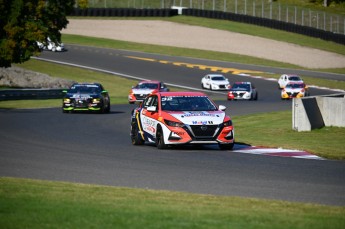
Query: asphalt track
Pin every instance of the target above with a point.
(96, 149)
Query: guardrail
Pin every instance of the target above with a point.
(23, 94)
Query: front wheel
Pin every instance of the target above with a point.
(160, 140)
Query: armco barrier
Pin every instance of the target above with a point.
(21, 94)
(124, 12)
(318, 111)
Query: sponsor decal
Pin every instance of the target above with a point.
(201, 122)
(179, 133)
(149, 125)
(199, 113)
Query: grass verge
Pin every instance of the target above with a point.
(26, 203)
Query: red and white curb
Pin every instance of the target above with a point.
(277, 152)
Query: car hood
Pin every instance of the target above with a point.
(220, 82)
(82, 96)
(241, 91)
(142, 91)
(293, 89)
(199, 117)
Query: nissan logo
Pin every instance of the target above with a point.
(203, 127)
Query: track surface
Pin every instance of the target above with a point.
(96, 149)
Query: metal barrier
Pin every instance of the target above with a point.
(21, 94)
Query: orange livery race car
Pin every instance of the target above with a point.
(175, 118)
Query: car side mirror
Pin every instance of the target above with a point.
(222, 107)
(152, 108)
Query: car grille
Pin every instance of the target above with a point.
(292, 94)
(222, 86)
(204, 131)
(140, 96)
(81, 103)
(236, 94)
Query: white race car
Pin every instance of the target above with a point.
(286, 78)
(215, 82)
(51, 46)
(242, 90)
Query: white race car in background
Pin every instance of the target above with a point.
(243, 90)
(286, 78)
(215, 82)
(51, 46)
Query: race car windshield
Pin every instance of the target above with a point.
(294, 78)
(295, 86)
(147, 86)
(187, 103)
(240, 87)
(218, 78)
(85, 89)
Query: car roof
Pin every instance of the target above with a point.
(85, 84)
(215, 75)
(242, 82)
(181, 93)
(149, 81)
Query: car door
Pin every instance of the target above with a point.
(149, 116)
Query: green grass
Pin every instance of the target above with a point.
(26, 203)
(275, 130)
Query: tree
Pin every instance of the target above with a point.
(23, 22)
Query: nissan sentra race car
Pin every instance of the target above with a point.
(145, 87)
(294, 90)
(242, 90)
(175, 118)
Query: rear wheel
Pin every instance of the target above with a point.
(160, 140)
(135, 138)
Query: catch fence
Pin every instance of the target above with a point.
(268, 9)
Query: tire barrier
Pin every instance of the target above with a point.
(23, 94)
(274, 24)
(123, 12)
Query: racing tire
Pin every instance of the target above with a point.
(108, 108)
(135, 138)
(226, 146)
(202, 86)
(160, 140)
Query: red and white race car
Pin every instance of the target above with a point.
(175, 118)
(145, 87)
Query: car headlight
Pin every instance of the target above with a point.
(173, 124)
(66, 100)
(97, 100)
(227, 123)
